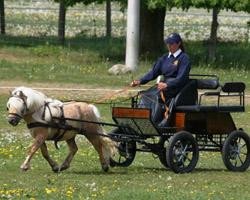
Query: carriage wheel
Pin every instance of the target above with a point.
(126, 153)
(162, 155)
(236, 151)
(182, 152)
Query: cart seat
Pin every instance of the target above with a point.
(187, 99)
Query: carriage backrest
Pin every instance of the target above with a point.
(237, 87)
(188, 95)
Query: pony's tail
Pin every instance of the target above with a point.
(96, 111)
(109, 147)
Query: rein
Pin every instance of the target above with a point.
(110, 95)
(151, 99)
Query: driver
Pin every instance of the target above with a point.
(174, 67)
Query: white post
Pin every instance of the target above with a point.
(132, 40)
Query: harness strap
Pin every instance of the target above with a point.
(166, 107)
(54, 125)
(62, 123)
(58, 126)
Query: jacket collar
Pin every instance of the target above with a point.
(177, 53)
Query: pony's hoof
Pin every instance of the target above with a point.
(24, 168)
(56, 169)
(112, 163)
(105, 168)
(63, 167)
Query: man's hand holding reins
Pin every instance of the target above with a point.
(162, 86)
(135, 83)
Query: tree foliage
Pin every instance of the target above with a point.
(239, 5)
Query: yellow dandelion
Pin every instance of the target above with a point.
(50, 190)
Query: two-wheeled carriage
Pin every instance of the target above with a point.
(199, 120)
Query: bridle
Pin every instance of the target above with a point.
(24, 110)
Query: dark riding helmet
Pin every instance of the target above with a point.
(173, 38)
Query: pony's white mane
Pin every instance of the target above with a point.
(35, 99)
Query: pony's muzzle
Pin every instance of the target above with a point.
(13, 120)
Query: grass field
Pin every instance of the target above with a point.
(146, 178)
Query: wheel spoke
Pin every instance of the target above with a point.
(235, 164)
(125, 155)
(181, 146)
(185, 148)
(235, 152)
(244, 145)
(182, 156)
(240, 159)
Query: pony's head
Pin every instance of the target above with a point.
(23, 101)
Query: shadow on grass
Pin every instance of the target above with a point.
(120, 171)
(196, 170)
(143, 170)
(97, 172)
(111, 48)
(228, 54)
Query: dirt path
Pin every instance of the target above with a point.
(78, 91)
(72, 91)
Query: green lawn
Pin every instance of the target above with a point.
(146, 178)
(49, 65)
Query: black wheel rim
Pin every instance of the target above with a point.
(125, 155)
(238, 152)
(183, 154)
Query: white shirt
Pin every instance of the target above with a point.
(177, 53)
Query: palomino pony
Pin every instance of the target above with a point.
(39, 112)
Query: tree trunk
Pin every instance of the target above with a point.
(151, 30)
(61, 22)
(2, 17)
(108, 18)
(213, 36)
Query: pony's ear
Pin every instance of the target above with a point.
(10, 93)
(22, 95)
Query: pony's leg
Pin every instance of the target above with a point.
(39, 140)
(51, 162)
(96, 142)
(72, 151)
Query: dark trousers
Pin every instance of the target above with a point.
(151, 98)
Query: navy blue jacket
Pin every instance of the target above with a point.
(174, 69)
